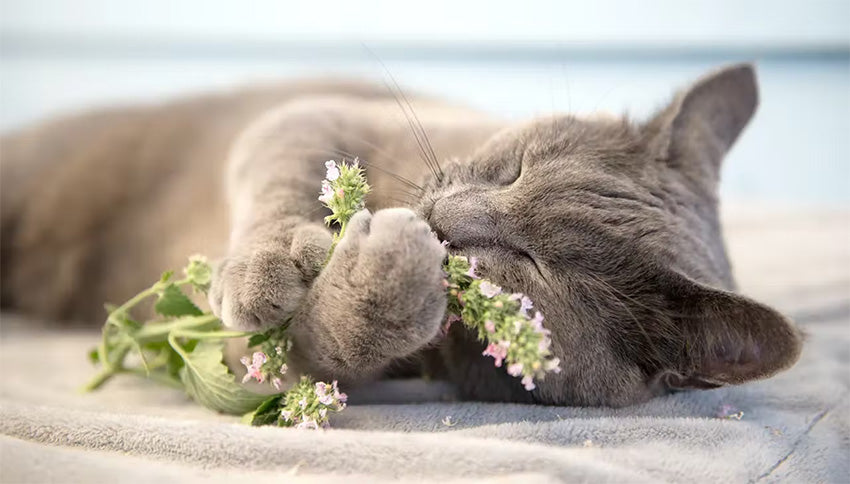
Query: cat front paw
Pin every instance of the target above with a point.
(388, 270)
(261, 285)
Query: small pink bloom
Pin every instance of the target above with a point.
(473, 264)
(302, 403)
(333, 171)
(277, 383)
(444, 243)
(528, 383)
(323, 412)
(497, 351)
(490, 326)
(340, 193)
(342, 397)
(327, 192)
(254, 367)
(284, 369)
(515, 369)
(286, 414)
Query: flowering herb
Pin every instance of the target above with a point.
(344, 191)
(183, 346)
(503, 321)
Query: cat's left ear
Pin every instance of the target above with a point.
(727, 338)
(701, 124)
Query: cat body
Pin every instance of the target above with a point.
(609, 225)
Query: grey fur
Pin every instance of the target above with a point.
(610, 226)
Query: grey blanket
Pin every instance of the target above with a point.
(794, 427)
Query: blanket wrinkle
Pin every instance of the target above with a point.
(795, 427)
(797, 442)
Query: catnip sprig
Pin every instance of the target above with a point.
(185, 350)
(501, 320)
(343, 192)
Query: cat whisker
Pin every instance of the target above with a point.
(426, 149)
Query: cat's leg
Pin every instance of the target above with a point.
(380, 298)
(380, 295)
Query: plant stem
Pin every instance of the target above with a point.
(98, 380)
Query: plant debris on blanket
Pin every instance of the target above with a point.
(183, 347)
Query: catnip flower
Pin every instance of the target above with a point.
(333, 171)
(473, 264)
(308, 405)
(503, 321)
(489, 289)
(254, 367)
(327, 192)
(499, 351)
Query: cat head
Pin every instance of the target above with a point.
(611, 227)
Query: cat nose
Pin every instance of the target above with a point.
(464, 219)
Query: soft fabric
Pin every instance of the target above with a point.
(794, 427)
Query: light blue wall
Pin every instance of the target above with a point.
(518, 61)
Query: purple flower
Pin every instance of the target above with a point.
(498, 351)
(524, 305)
(528, 383)
(515, 369)
(308, 423)
(473, 264)
(537, 322)
(324, 397)
(342, 397)
(327, 192)
(333, 171)
(489, 289)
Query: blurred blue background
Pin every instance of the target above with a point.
(517, 59)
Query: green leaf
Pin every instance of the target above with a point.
(209, 382)
(166, 276)
(94, 356)
(266, 414)
(257, 338)
(172, 302)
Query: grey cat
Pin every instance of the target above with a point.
(610, 226)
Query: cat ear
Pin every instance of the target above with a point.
(728, 338)
(701, 124)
